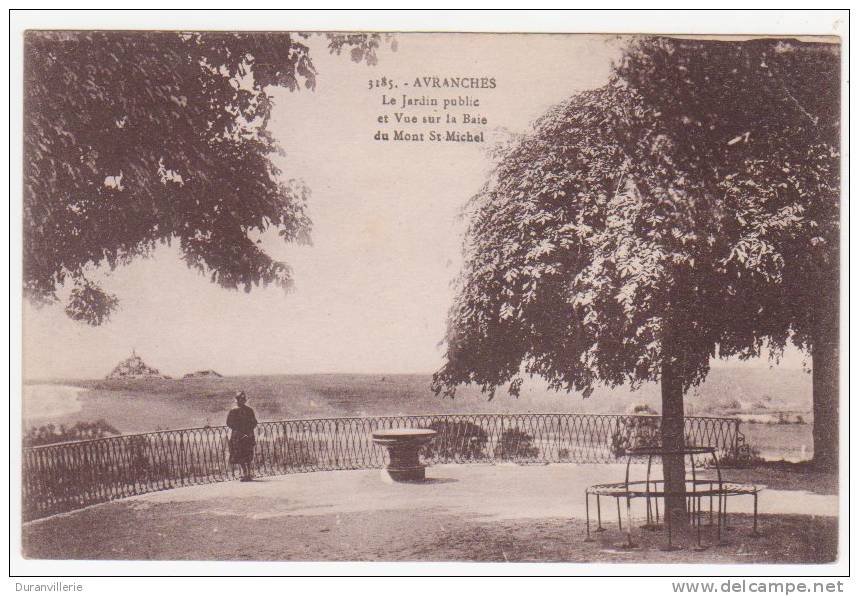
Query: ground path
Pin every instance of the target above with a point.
(464, 512)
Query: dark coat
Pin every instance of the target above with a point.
(242, 421)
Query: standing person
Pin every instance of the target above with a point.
(242, 421)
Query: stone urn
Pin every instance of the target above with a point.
(403, 445)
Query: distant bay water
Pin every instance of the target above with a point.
(775, 405)
(45, 402)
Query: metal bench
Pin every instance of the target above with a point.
(701, 496)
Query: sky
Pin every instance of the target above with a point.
(372, 292)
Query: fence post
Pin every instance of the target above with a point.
(499, 441)
(336, 440)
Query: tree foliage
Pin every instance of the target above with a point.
(682, 212)
(134, 139)
(756, 126)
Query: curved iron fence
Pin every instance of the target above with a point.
(67, 476)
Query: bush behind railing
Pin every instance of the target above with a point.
(67, 476)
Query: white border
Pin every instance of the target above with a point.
(710, 22)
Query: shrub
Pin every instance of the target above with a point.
(457, 440)
(144, 467)
(634, 432)
(81, 431)
(745, 456)
(731, 405)
(516, 444)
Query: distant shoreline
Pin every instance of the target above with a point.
(179, 376)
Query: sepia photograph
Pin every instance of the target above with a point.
(401, 296)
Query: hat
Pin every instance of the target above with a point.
(241, 394)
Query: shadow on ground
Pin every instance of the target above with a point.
(464, 513)
(189, 534)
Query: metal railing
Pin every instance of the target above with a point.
(66, 476)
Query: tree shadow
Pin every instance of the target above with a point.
(783, 475)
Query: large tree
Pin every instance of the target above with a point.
(759, 122)
(614, 245)
(132, 139)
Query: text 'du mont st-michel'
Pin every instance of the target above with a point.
(432, 108)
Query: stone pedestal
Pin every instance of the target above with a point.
(403, 445)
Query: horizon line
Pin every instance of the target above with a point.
(347, 373)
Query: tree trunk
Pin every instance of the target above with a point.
(674, 468)
(824, 364)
